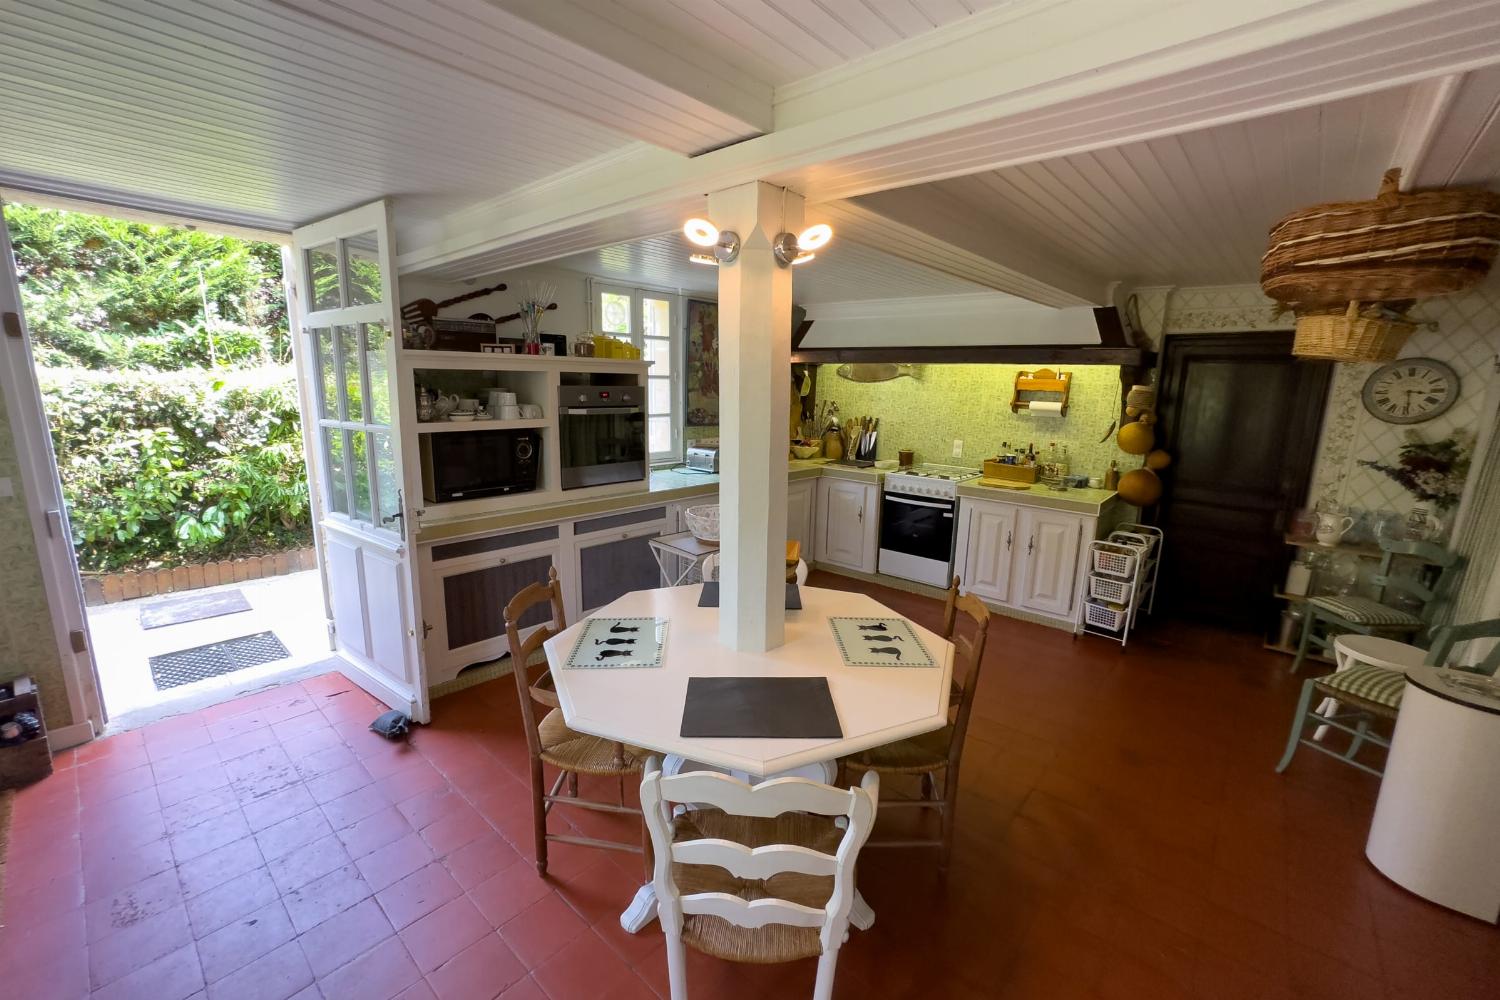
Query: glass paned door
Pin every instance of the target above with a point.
(349, 313)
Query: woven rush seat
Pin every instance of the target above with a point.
(774, 942)
(915, 755)
(573, 751)
(1365, 686)
(1367, 611)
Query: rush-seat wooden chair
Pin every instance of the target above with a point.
(937, 754)
(551, 742)
(761, 873)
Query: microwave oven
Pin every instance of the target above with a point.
(464, 465)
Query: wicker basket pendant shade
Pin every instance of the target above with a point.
(1350, 270)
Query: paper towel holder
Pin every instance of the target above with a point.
(1042, 386)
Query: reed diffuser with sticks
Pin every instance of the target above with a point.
(533, 306)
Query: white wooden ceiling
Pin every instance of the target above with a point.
(780, 41)
(255, 114)
(844, 271)
(1195, 208)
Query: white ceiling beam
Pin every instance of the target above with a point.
(925, 227)
(646, 86)
(1463, 145)
(1425, 113)
(1092, 81)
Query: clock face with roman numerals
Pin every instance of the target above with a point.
(1411, 390)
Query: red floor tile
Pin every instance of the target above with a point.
(1111, 843)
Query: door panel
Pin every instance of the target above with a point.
(1241, 417)
(842, 515)
(348, 310)
(991, 545)
(40, 491)
(1050, 561)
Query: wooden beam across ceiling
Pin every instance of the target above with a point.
(1022, 83)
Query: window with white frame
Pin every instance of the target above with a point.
(652, 320)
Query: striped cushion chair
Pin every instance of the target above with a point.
(1328, 617)
(1363, 693)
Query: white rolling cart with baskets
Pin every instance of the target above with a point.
(1121, 580)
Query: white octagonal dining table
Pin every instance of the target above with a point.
(643, 706)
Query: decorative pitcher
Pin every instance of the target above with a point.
(1331, 528)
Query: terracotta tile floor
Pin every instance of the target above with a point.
(1122, 834)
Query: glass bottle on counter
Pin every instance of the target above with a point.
(1062, 461)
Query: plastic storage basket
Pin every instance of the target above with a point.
(1114, 559)
(1103, 616)
(1107, 588)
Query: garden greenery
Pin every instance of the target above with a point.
(163, 359)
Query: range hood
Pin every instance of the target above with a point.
(962, 330)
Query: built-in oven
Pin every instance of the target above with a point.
(916, 537)
(602, 434)
(465, 465)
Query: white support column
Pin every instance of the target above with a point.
(755, 344)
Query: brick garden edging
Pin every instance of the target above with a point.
(107, 588)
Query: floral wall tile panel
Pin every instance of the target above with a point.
(971, 403)
(26, 644)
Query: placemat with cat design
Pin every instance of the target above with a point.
(879, 642)
(619, 642)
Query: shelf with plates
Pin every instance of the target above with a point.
(449, 426)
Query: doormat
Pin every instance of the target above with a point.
(194, 608)
(185, 666)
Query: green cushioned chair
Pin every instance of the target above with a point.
(1328, 617)
(1363, 693)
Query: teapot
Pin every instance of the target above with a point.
(444, 404)
(1331, 528)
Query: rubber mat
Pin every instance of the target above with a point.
(196, 607)
(185, 666)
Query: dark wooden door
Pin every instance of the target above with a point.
(1241, 418)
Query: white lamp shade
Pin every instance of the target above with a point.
(701, 231)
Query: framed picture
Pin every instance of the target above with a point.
(558, 342)
(549, 350)
(702, 377)
(490, 349)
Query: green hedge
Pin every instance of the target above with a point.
(169, 467)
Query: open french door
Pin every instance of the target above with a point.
(344, 287)
(40, 491)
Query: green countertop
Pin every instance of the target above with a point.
(1077, 501)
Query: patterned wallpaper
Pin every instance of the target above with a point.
(1466, 336)
(972, 403)
(26, 645)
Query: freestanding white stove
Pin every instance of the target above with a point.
(917, 522)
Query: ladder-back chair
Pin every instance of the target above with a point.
(551, 742)
(761, 873)
(937, 754)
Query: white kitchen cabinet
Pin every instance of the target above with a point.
(846, 523)
(1023, 557)
(801, 503)
(991, 535)
(1049, 567)
(611, 557)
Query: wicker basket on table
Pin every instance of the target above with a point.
(1393, 247)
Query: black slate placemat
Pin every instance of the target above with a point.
(760, 707)
(709, 596)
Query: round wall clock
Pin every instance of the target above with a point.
(1411, 390)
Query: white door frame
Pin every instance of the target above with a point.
(41, 491)
(370, 577)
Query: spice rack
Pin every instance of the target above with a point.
(1121, 580)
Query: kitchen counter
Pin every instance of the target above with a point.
(1077, 501)
(664, 486)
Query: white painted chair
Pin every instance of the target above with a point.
(765, 875)
(711, 569)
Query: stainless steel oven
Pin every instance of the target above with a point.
(603, 434)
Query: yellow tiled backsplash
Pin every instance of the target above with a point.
(971, 403)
